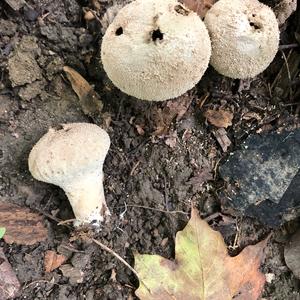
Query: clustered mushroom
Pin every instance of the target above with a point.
(155, 49)
(244, 36)
(72, 158)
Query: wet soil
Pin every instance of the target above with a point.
(153, 169)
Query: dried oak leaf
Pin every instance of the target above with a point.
(89, 100)
(199, 6)
(22, 226)
(219, 118)
(53, 260)
(176, 108)
(202, 268)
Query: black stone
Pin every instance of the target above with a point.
(265, 177)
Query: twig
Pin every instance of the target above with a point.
(64, 222)
(289, 46)
(134, 168)
(288, 71)
(105, 248)
(117, 256)
(48, 215)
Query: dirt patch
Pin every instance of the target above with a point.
(150, 180)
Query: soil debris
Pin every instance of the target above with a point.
(292, 254)
(75, 275)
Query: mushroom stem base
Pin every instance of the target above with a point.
(86, 196)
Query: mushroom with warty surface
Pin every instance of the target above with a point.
(155, 49)
(244, 36)
(72, 158)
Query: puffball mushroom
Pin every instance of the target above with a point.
(244, 36)
(72, 158)
(155, 49)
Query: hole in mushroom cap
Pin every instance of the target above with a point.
(119, 31)
(255, 25)
(157, 35)
(181, 10)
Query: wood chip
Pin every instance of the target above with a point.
(22, 226)
(75, 275)
(9, 283)
(53, 260)
(219, 118)
(222, 138)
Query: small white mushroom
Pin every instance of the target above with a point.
(155, 49)
(72, 158)
(244, 36)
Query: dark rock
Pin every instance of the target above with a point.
(264, 177)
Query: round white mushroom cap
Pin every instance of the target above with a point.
(244, 36)
(72, 158)
(155, 49)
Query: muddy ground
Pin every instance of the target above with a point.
(153, 169)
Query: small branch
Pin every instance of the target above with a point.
(105, 248)
(117, 256)
(289, 46)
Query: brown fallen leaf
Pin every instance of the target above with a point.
(202, 268)
(173, 109)
(22, 226)
(53, 260)
(9, 283)
(201, 7)
(89, 100)
(219, 118)
(222, 138)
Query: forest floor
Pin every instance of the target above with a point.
(164, 157)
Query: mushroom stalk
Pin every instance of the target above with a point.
(86, 195)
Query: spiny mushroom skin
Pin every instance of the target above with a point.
(244, 36)
(155, 49)
(72, 158)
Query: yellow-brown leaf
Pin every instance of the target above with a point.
(202, 269)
